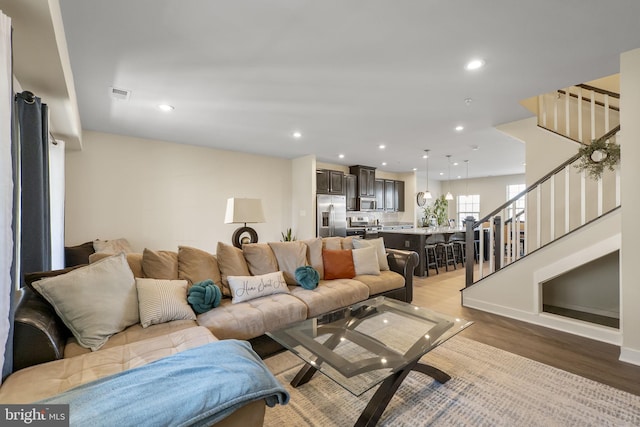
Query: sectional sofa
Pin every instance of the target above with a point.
(49, 349)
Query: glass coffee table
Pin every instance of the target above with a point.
(358, 347)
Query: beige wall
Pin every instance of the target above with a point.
(303, 198)
(630, 177)
(161, 195)
(492, 191)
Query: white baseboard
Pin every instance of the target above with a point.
(630, 355)
(560, 323)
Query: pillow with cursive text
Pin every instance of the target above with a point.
(245, 288)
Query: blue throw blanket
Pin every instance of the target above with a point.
(196, 387)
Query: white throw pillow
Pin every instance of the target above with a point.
(163, 300)
(365, 260)
(245, 288)
(381, 251)
(95, 301)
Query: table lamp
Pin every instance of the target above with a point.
(243, 211)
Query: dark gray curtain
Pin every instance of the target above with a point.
(33, 154)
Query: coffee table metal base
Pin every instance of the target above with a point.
(378, 403)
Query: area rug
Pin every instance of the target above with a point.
(489, 387)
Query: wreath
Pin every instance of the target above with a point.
(597, 156)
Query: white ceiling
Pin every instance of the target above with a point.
(350, 75)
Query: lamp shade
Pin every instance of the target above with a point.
(243, 211)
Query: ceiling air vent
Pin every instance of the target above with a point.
(120, 94)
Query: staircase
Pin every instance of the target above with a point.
(562, 205)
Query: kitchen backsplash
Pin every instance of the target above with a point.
(382, 217)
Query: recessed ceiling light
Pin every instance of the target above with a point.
(382, 146)
(297, 134)
(455, 163)
(384, 163)
(459, 177)
(474, 64)
(424, 156)
(524, 164)
(166, 107)
(341, 156)
(441, 173)
(459, 128)
(415, 169)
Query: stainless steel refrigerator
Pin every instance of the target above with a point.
(331, 216)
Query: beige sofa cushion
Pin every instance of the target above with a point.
(133, 333)
(314, 255)
(134, 261)
(379, 245)
(386, 281)
(232, 263)
(290, 256)
(160, 264)
(365, 261)
(161, 301)
(48, 379)
(112, 247)
(260, 258)
(332, 243)
(85, 298)
(331, 295)
(253, 318)
(196, 265)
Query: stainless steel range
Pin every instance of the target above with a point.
(362, 226)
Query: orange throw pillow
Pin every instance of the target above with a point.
(338, 264)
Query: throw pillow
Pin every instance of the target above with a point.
(290, 255)
(203, 296)
(338, 264)
(260, 258)
(347, 242)
(134, 261)
(379, 245)
(95, 301)
(232, 263)
(78, 255)
(160, 264)
(245, 288)
(196, 265)
(332, 243)
(314, 254)
(112, 246)
(365, 261)
(307, 277)
(162, 301)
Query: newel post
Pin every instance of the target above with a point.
(469, 249)
(497, 238)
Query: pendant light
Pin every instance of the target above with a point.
(449, 196)
(427, 193)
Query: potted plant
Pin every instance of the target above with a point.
(288, 236)
(438, 211)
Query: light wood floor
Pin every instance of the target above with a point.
(588, 358)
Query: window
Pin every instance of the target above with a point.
(513, 191)
(468, 206)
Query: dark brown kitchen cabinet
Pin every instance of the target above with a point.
(379, 190)
(329, 182)
(398, 194)
(351, 191)
(366, 180)
(389, 195)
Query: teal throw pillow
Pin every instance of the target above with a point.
(307, 277)
(204, 296)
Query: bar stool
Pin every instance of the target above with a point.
(431, 255)
(460, 247)
(447, 257)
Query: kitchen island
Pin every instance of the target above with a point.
(414, 239)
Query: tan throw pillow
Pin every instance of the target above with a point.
(162, 301)
(381, 251)
(260, 258)
(95, 301)
(314, 254)
(347, 242)
(196, 265)
(232, 263)
(332, 243)
(290, 255)
(160, 264)
(365, 261)
(112, 246)
(134, 261)
(245, 288)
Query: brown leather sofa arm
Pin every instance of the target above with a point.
(403, 262)
(39, 334)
